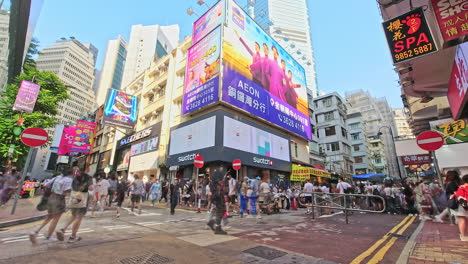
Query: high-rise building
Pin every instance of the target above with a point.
(112, 68)
(74, 64)
(146, 43)
(330, 114)
(360, 144)
(288, 23)
(402, 125)
(379, 119)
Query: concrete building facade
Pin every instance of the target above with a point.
(359, 144)
(402, 126)
(332, 133)
(146, 43)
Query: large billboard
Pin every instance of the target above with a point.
(458, 86)
(207, 22)
(409, 36)
(121, 109)
(260, 77)
(202, 72)
(241, 136)
(26, 97)
(196, 136)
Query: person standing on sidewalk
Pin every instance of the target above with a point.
(103, 189)
(112, 186)
(232, 194)
(462, 212)
(308, 189)
(254, 206)
(138, 190)
(174, 195)
(219, 206)
(243, 196)
(120, 195)
(9, 186)
(155, 189)
(60, 186)
(165, 190)
(80, 186)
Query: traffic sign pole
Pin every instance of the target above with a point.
(25, 171)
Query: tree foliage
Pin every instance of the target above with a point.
(29, 62)
(52, 92)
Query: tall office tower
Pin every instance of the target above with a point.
(288, 23)
(112, 68)
(74, 64)
(147, 43)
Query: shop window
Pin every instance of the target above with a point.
(358, 159)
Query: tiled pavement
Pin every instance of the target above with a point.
(439, 243)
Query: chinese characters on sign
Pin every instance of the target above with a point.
(302, 173)
(202, 73)
(453, 131)
(408, 36)
(416, 159)
(452, 17)
(458, 86)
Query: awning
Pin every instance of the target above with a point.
(302, 173)
(368, 175)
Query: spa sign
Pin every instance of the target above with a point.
(408, 36)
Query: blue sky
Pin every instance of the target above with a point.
(349, 44)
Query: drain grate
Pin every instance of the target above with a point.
(398, 236)
(265, 252)
(149, 258)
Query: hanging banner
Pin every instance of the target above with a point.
(452, 17)
(121, 109)
(457, 94)
(208, 21)
(27, 96)
(302, 173)
(408, 36)
(66, 143)
(84, 135)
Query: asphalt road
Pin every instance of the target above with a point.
(157, 237)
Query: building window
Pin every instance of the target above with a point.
(355, 136)
(329, 116)
(354, 126)
(356, 147)
(358, 159)
(344, 132)
(151, 98)
(330, 131)
(327, 102)
(377, 161)
(334, 146)
(375, 145)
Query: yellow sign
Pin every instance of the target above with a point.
(302, 173)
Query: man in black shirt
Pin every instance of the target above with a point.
(174, 192)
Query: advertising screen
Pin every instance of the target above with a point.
(196, 136)
(121, 109)
(145, 146)
(208, 21)
(260, 77)
(241, 136)
(202, 72)
(26, 97)
(408, 36)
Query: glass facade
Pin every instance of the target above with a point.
(119, 67)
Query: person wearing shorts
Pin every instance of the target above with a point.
(81, 183)
(137, 190)
(308, 189)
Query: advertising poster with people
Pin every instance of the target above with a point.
(202, 72)
(209, 21)
(121, 109)
(260, 77)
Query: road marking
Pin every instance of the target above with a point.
(381, 253)
(370, 250)
(9, 240)
(117, 227)
(331, 215)
(149, 223)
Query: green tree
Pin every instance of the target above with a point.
(29, 62)
(52, 92)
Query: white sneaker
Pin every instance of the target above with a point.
(437, 220)
(463, 238)
(51, 239)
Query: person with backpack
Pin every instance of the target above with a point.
(112, 186)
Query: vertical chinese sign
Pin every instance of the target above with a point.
(27, 96)
(408, 36)
(458, 86)
(452, 17)
(202, 72)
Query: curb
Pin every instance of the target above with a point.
(22, 221)
(408, 249)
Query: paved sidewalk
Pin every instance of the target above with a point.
(25, 208)
(438, 243)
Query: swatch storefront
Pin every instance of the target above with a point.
(138, 153)
(220, 137)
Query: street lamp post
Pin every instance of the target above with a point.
(396, 156)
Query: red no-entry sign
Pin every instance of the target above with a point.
(34, 137)
(198, 161)
(430, 140)
(236, 164)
